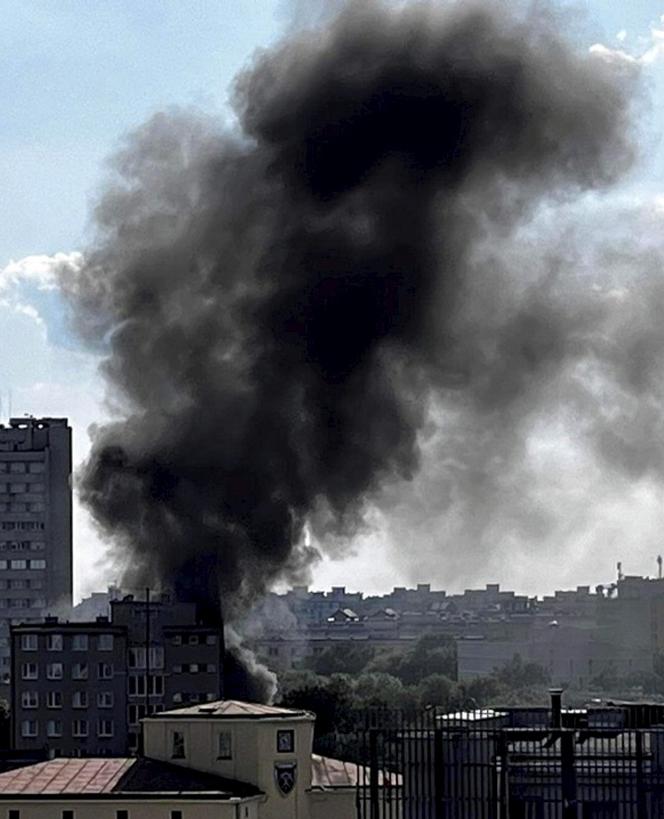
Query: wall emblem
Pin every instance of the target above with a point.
(285, 774)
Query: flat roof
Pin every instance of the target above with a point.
(117, 778)
(232, 709)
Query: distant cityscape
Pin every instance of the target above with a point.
(576, 636)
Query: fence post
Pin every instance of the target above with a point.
(640, 790)
(373, 773)
(502, 778)
(568, 774)
(438, 781)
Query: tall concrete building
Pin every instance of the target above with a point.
(35, 523)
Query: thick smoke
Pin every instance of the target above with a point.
(286, 305)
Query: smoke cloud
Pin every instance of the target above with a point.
(291, 307)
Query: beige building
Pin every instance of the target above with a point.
(219, 760)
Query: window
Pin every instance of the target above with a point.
(29, 728)
(177, 697)
(177, 640)
(37, 487)
(211, 639)
(193, 668)
(105, 642)
(54, 728)
(14, 814)
(193, 639)
(79, 699)
(104, 671)
(176, 814)
(156, 657)
(34, 564)
(29, 642)
(121, 814)
(286, 741)
(36, 467)
(67, 814)
(136, 685)
(54, 642)
(54, 699)
(36, 507)
(3, 564)
(211, 668)
(16, 467)
(18, 564)
(54, 671)
(79, 728)
(225, 745)
(136, 713)
(105, 728)
(17, 488)
(177, 747)
(29, 699)
(136, 658)
(79, 671)
(79, 642)
(29, 671)
(105, 699)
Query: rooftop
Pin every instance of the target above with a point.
(333, 773)
(111, 778)
(233, 709)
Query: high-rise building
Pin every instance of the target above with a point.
(35, 523)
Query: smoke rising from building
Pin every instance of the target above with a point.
(288, 306)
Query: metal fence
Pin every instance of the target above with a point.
(512, 764)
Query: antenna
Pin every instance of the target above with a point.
(659, 567)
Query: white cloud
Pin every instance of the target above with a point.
(653, 48)
(41, 270)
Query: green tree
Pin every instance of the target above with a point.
(342, 658)
(517, 675)
(436, 689)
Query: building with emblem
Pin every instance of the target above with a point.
(217, 760)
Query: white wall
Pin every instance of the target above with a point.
(157, 809)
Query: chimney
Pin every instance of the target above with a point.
(556, 707)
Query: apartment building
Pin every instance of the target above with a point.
(83, 688)
(184, 663)
(35, 523)
(69, 688)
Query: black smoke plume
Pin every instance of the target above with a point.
(279, 301)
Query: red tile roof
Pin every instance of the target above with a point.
(116, 778)
(234, 709)
(66, 776)
(333, 773)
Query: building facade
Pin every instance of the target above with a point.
(35, 523)
(81, 689)
(69, 688)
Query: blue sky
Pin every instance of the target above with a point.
(75, 75)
